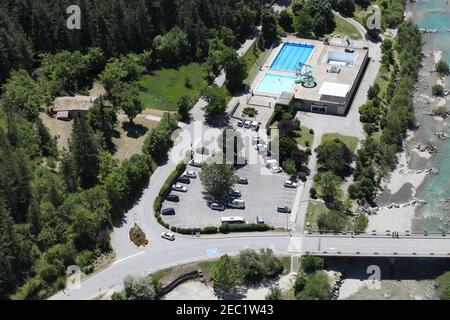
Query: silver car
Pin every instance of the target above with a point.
(178, 187)
(168, 236)
(190, 174)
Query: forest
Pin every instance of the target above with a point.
(57, 208)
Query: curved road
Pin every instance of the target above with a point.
(162, 253)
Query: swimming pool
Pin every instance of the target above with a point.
(290, 55)
(276, 83)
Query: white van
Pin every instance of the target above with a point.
(255, 125)
(271, 163)
(237, 204)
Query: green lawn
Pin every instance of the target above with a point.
(312, 213)
(343, 28)
(161, 89)
(254, 59)
(350, 142)
(305, 136)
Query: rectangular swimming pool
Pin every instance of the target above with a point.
(290, 55)
(276, 84)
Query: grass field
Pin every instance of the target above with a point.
(312, 213)
(343, 28)
(162, 89)
(350, 142)
(305, 138)
(254, 59)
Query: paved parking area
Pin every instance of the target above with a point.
(262, 196)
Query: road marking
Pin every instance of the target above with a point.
(295, 244)
(212, 251)
(129, 257)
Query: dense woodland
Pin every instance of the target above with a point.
(57, 208)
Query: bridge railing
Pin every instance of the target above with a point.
(379, 234)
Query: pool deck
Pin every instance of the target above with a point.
(348, 74)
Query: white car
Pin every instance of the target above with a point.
(247, 124)
(178, 187)
(290, 184)
(217, 206)
(190, 174)
(255, 125)
(240, 123)
(276, 169)
(195, 163)
(168, 236)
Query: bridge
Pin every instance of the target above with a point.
(368, 245)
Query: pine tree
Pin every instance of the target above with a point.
(85, 151)
(7, 252)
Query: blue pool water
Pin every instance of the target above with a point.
(290, 55)
(276, 83)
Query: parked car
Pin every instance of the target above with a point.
(242, 180)
(195, 163)
(168, 212)
(260, 219)
(168, 236)
(190, 174)
(283, 209)
(255, 125)
(217, 206)
(240, 123)
(234, 193)
(247, 124)
(276, 169)
(290, 184)
(237, 204)
(173, 198)
(184, 179)
(178, 187)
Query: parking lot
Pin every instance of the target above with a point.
(262, 195)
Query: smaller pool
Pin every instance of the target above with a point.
(276, 83)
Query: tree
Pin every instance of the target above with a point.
(322, 14)
(310, 264)
(235, 69)
(442, 67)
(333, 221)
(269, 27)
(226, 273)
(334, 155)
(172, 46)
(362, 189)
(361, 223)
(8, 259)
(183, 107)
(369, 113)
(303, 23)
(274, 293)
(103, 119)
(257, 266)
(286, 20)
(217, 103)
(218, 179)
(136, 288)
(317, 287)
(346, 7)
(126, 97)
(286, 147)
(329, 186)
(443, 289)
(299, 283)
(85, 152)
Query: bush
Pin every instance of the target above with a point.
(437, 90)
(442, 67)
(299, 283)
(137, 236)
(308, 151)
(311, 131)
(260, 227)
(313, 193)
(257, 266)
(167, 186)
(317, 287)
(210, 230)
(361, 223)
(250, 112)
(274, 293)
(310, 264)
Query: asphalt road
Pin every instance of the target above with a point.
(182, 250)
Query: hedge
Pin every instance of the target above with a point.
(165, 189)
(227, 228)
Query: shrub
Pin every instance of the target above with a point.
(317, 287)
(250, 112)
(299, 283)
(310, 264)
(227, 228)
(137, 236)
(308, 151)
(313, 193)
(311, 131)
(210, 230)
(274, 293)
(442, 67)
(437, 90)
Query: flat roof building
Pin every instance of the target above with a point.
(319, 77)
